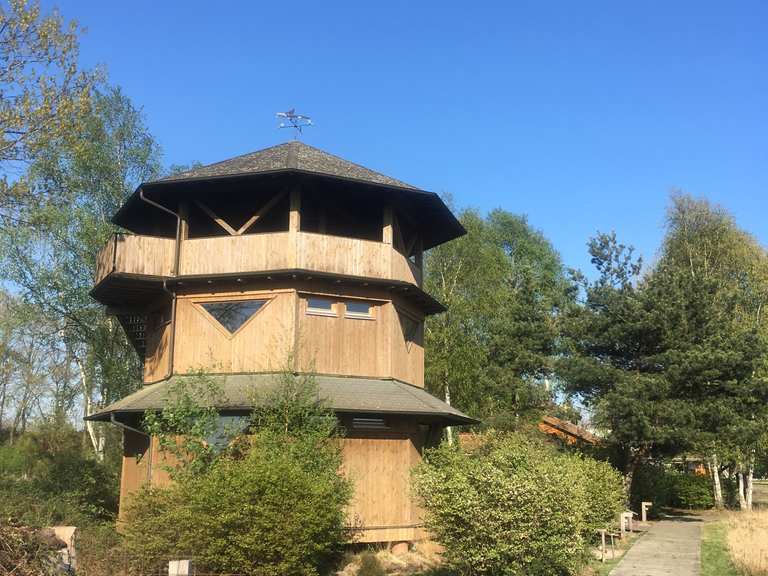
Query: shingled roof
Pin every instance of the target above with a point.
(289, 156)
(347, 395)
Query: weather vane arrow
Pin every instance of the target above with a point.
(293, 121)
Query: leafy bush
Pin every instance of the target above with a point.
(604, 492)
(273, 503)
(664, 487)
(512, 506)
(691, 491)
(47, 477)
(651, 483)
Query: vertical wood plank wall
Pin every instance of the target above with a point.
(263, 344)
(154, 256)
(283, 329)
(378, 464)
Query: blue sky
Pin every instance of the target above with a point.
(581, 115)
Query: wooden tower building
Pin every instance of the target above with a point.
(288, 254)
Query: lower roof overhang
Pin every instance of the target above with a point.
(121, 289)
(239, 393)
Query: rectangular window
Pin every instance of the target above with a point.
(316, 305)
(358, 309)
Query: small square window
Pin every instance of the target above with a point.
(320, 305)
(358, 309)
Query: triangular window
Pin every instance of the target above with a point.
(232, 314)
(410, 329)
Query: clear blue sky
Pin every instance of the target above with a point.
(581, 115)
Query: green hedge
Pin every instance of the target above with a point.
(670, 488)
(514, 506)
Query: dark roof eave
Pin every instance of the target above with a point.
(459, 229)
(459, 420)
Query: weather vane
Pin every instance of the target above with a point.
(296, 122)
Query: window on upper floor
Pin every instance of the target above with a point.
(321, 306)
(411, 329)
(358, 309)
(233, 314)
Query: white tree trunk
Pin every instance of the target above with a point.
(742, 498)
(448, 429)
(748, 487)
(716, 485)
(97, 440)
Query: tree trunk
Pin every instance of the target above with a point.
(448, 429)
(742, 499)
(716, 486)
(97, 440)
(748, 487)
(629, 472)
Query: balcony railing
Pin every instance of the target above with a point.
(152, 256)
(134, 254)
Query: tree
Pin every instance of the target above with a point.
(674, 361)
(42, 91)
(78, 179)
(611, 361)
(491, 352)
(714, 277)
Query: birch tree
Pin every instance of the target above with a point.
(78, 181)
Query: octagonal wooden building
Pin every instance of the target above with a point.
(286, 255)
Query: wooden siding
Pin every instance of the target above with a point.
(341, 345)
(134, 254)
(283, 329)
(407, 361)
(153, 256)
(224, 255)
(378, 463)
(157, 354)
(263, 344)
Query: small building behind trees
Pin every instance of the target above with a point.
(292, 259)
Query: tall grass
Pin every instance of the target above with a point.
(748, 541)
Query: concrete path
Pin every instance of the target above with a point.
(671, 547)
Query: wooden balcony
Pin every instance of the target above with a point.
(253, 253)
(136, 255)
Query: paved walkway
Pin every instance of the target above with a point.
(671, 547)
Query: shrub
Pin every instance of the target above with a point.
(509, 507)
(273, 503)
(651, 483)
(47, 477)
(604, 492)
(691, 491)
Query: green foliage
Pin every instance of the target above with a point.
(187, 422)
(279, 510)
(514, 506)
(669, 488)
(271, 503)
(674, 360)
(692, 491)
(651, 483)
(503, 284)
(604, 492)
(47, 477)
